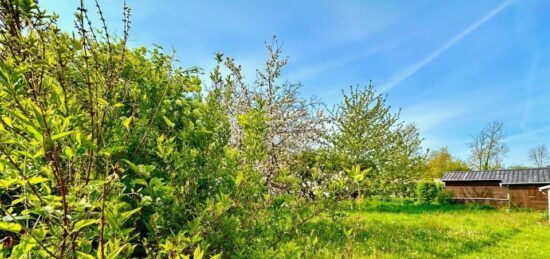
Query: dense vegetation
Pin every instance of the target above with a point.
(108, 151)
(112, 152)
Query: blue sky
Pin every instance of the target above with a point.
(451, 66)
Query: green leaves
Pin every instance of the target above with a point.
(367, 132)
(127, 121)
(427, 191)
(84, 255)
(126, 215)
(38, 115)
(62, 135)
(168, 121)
(103, 102)
(82, 139)
(34, 133)
(198, 253)
(68, 152)
(37, 179)
(7, 120)
(26, 245)
(357, 174)
(239, 178)
(26, 6)
(10, 227)
(7, 183)
(348, 232)
(84, 223)
(22, 118)
(142, 170)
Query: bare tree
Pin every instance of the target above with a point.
(539, 156)
(488, 147)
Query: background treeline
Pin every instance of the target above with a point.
(108, 151)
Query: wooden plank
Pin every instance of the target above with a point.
(527, 197)
(488, 199)
(479, 191)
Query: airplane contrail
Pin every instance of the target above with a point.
(402, 75)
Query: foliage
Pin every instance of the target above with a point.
(294, 125)
(367, 133)
(427, 191)
(112, 152)
(119, 146)
(444, 196)
(357, 177)
(441, 161)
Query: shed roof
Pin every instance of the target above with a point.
(505, 177)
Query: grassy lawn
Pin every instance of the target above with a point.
(395, 230)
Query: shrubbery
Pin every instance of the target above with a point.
(108, 151)
(444, 197)
(427, 191)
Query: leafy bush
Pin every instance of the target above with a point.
(444, 196)
(427, 191)
(112, 152)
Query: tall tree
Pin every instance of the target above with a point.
(441, 161)
(368, 134)
(293, 123)
(488, 148)
(539, 156)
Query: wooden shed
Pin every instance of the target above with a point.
(501, 188)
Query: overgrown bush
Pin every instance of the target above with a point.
(107, 151)
(444, 196)
(112, 152)
(427, 191)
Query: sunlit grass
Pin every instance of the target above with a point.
(398, 230)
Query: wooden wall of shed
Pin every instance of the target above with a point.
(479, 191)
(521, 196)
(472, 193)
(528, 196)
(495, 203)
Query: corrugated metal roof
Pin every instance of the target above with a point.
(520, 176)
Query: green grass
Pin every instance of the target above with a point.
(399, 230)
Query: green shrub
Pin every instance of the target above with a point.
(407, 200)
(444, 197)
(427, 191)
(381, 198)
